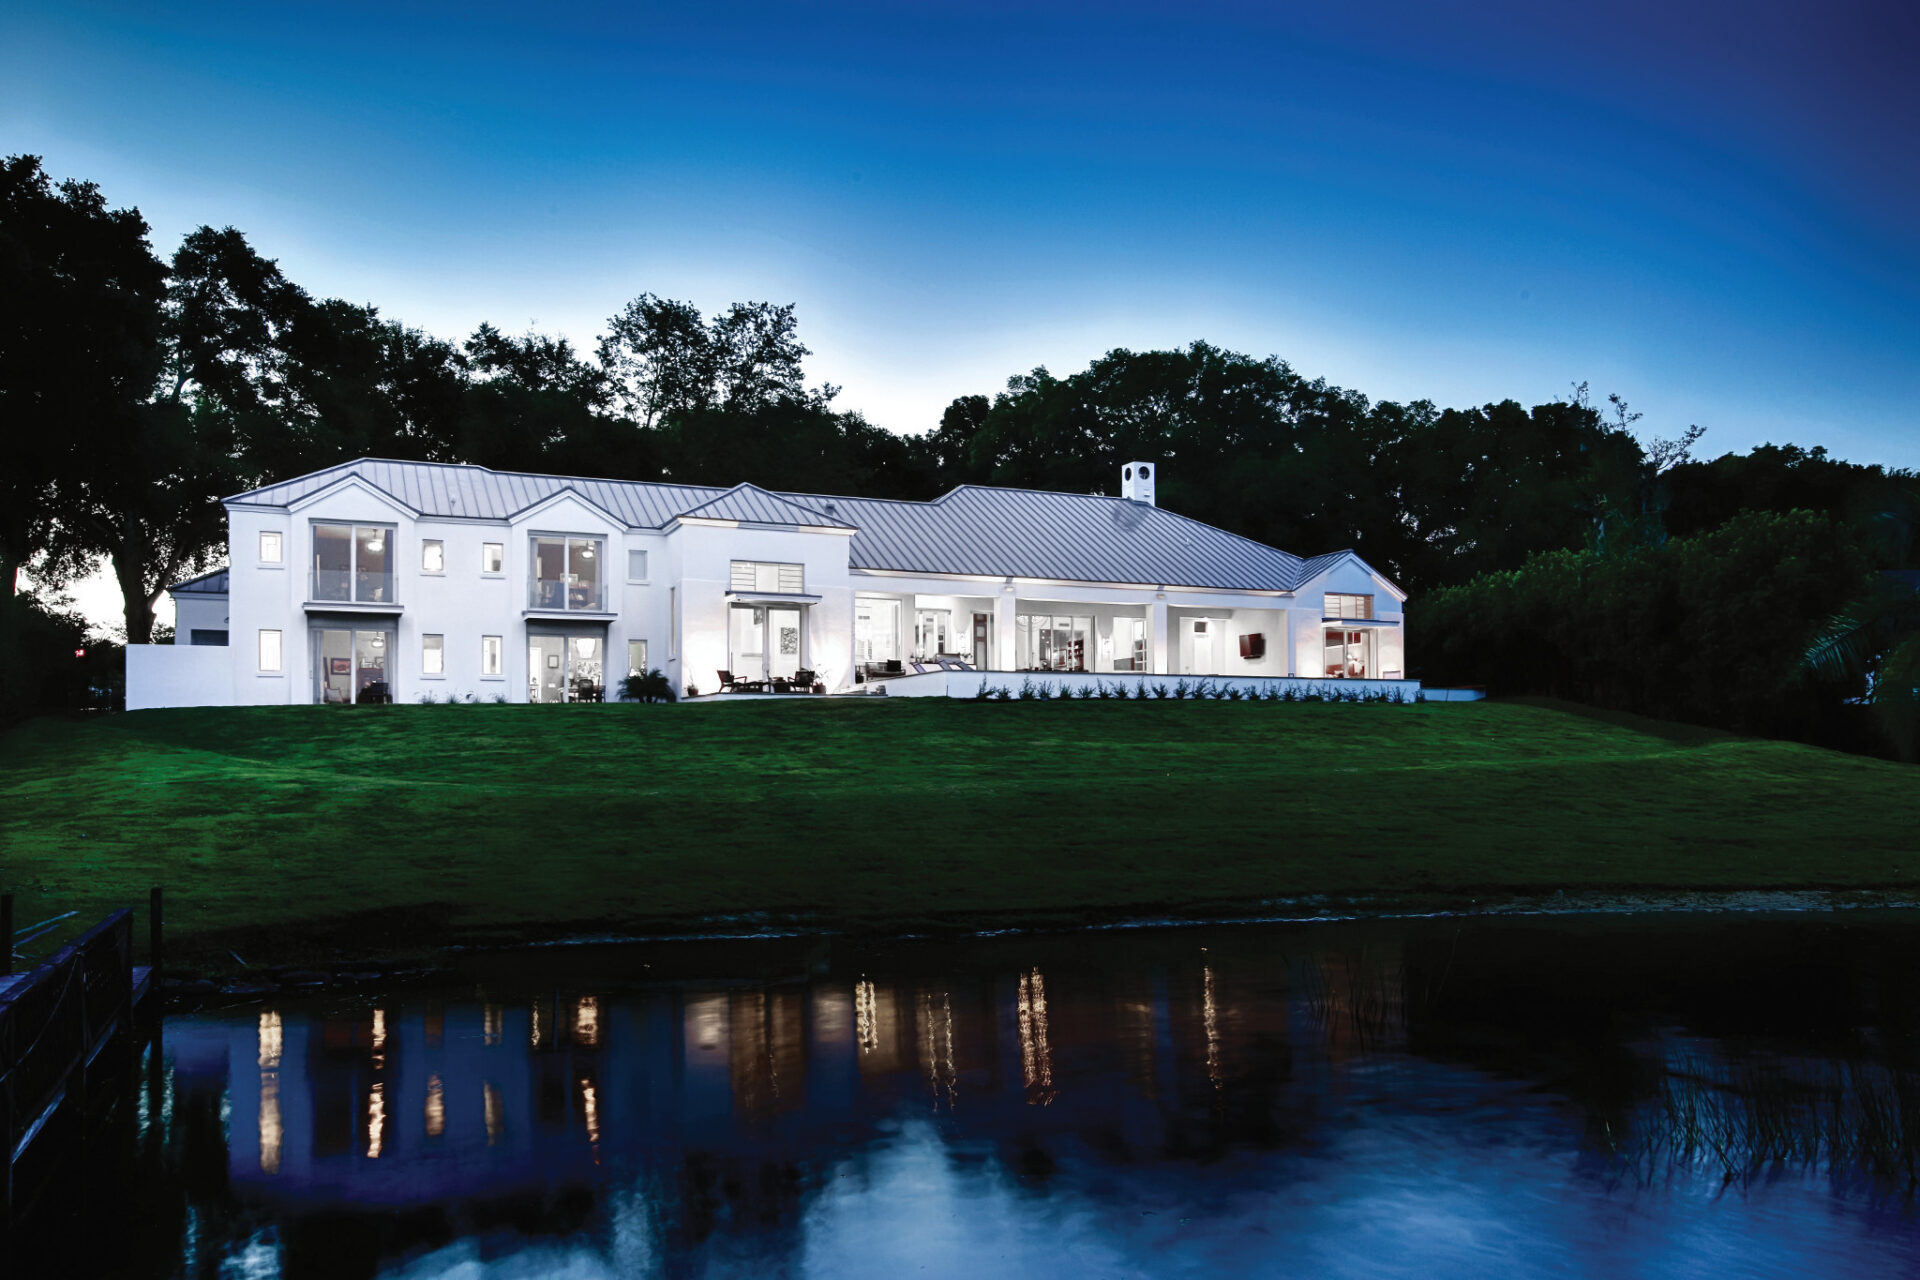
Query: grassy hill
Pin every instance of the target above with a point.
(305, 834)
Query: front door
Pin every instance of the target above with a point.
(1200, 646)
(981, 621)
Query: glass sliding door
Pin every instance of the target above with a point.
(1057, 642)
(332, 562)
(747, 642)
(876, 629)
(353, 665)
(931, 633)
(546, 669)
(586, 669)
(1349, 653)
(783, 648)
(336, 666)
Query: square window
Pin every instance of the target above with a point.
(269, 547)
(433, 556)
(493, 557)
(490, 651)
(636, 566)
(433, 655)
(269, 650)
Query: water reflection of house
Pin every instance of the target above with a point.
(729, 1100)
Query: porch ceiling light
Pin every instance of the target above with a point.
(586, 553)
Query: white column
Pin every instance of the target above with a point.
(1157, 634)
(1003, 629)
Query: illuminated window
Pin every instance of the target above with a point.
(490, 651)
(433, 556)
(636, 657)
(433, 655)
(269, 650)
(1348, 606)
(493, 557)
(269, 548)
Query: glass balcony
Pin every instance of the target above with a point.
(351, 586)
(562, 594)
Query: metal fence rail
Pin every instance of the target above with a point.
(67, 1039)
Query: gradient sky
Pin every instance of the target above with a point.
(1714, 212)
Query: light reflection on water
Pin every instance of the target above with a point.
(1649, 1098)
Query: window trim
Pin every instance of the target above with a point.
(390, 531)
(426, 673)
(646, 577)
(279, 561)
(279, 666)
(500, 655)
(644, 655)
(441, 572)
(501, 572)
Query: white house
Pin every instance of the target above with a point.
(405, 580)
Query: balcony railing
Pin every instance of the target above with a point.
(347, 586)
(556, 595)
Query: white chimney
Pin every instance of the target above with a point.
(1136, 481)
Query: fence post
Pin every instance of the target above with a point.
(155, 950)
(6, 934)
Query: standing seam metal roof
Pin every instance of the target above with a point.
(973, 530)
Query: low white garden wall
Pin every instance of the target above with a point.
(1077, 684)
(178, 675)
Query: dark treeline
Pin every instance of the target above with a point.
(136, 391)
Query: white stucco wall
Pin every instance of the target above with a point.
(178, 675)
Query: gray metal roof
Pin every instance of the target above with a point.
(975, 529)
(207, 584)
(751, 502)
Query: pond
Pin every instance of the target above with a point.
(1653, 1095)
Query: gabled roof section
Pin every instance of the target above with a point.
(751, 504)
(975, 530)
(978, 530)
(207, 584)
(1311, 569)
(353, 480)
(447, 490)
(564, 492)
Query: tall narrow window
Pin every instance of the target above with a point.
(490, 651)
(270, 547)
(433, 655)
(673, 622)
(433, 556)
(269, 650)
(636, 657)
(493, 557)
(636, 566)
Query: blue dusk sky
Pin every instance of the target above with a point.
(1713, 209)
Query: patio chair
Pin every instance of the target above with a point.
(803, 681)
(729, 684)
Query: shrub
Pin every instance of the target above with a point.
(651, 685)
(1027, 693)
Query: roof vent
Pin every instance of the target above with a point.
(1136, 481)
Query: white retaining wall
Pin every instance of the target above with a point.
(966, 684)
(179, 675)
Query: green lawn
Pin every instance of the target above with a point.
(306, 835)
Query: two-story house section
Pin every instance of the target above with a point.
(378, 581)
